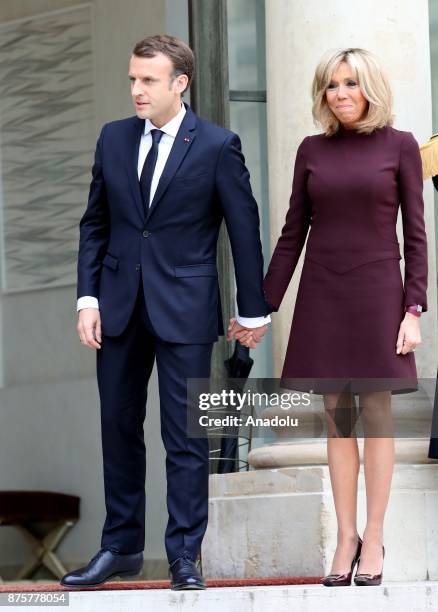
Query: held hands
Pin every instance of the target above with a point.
(246, 336)
(89, 327)
(409, 336)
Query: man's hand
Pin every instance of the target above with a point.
(89, 327)
(246, 336)
(409, 336)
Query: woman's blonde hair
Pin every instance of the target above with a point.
(372, 80)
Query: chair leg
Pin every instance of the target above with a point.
(44, 551)
(28, 569)
(54, 565)
(33, 564)
(51, 542)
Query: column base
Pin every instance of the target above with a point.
(282, 522)
(304, 452)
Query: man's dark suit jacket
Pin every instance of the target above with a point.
(174, 247)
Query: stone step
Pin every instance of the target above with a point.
(389, 597)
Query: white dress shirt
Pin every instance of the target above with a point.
(170, 130)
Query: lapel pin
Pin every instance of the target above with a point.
(186, 139)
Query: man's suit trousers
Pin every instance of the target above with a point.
(124, 366)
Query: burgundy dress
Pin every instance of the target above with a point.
(350, 302)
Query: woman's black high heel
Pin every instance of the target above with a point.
(370, 579)
(343, 579)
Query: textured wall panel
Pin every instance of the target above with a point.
(46, 136)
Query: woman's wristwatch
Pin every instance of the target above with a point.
(414, 309)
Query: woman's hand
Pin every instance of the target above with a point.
(247, 337)
(409, 336)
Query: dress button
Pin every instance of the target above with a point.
(138, 267)
(146, 233)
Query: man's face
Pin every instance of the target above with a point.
(156, 95)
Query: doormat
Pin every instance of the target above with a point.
(159, 584)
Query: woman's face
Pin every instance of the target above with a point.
(344, 96)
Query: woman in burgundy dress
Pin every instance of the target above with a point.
(355, 325)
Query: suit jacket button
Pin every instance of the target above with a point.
(138, 267)
(146, 233)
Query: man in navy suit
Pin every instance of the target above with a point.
(162, 182)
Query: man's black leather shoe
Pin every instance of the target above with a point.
(185, 575)
(103, 566)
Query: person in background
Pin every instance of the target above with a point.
(429, 157)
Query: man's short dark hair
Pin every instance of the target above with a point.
(179, 53)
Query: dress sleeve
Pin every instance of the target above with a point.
(293, 235)
(412, 208)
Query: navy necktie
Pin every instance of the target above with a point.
(148, 169)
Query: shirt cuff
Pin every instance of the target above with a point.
(252, 322)
(87, 301)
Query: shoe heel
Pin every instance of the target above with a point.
(130, 573)
(370, 579)
(344, 579)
